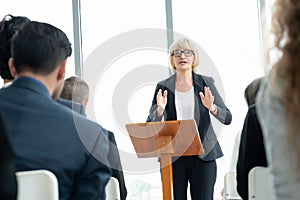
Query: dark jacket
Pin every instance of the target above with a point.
(251, 151)
(46, 135)
(115, 163)
(202, 117)
(8, 181)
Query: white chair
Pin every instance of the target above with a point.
(259, 184)
(112, 189)
(230, 191)
(37, 185)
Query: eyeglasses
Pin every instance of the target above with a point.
(187, 53)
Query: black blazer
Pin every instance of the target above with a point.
(251, 151)
(202, 117)
(116, 166)
(46, 135)
(8, 181)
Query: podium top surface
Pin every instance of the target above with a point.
(149, 138)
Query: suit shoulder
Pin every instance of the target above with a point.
(207, 79)
(163, 82)
(81, 123)
(89, 124)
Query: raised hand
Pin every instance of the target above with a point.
(161, 100)
(207, 99)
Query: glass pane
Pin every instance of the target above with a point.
(45, 11)
(125, 55)
(228, 31)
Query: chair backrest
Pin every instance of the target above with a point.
(259, 184)
(37, 185)
(112, 189)
(230, 191)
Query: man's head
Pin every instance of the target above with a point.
(252, 90)
(8, 27)
(40, 50)
(75, 89)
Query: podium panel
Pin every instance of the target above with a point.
(185, 138)
(164, 140)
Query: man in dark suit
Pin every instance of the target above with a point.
(251, 150)
(43, 133)
(74, 95)
(75, 89)
(8, 182)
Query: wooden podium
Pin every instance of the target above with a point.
(164, 140)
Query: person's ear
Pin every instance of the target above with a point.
(62, 71)
(12, 67)
(85, 102)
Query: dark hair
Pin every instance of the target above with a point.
(40, 48)
(8, 26)
(252, 90)
(75, 89)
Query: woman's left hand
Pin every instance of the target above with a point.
(207, 99)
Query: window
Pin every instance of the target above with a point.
(228, 31)
(125, 55)
(56, 12)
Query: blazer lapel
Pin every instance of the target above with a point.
(170, 86)
(198, 87)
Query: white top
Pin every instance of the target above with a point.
(282, 158)
(185, 103)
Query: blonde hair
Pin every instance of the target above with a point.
(286, 29)
(183, 43)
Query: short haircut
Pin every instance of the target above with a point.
(40, 48)
(75, 89)
(183, 43)
(8, 27)
(252, 90)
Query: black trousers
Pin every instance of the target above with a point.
(200, 174)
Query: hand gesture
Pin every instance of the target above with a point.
(207, 99)
(161, 100)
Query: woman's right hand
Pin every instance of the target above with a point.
(161, 100)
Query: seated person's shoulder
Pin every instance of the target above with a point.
(77, 107)
(252, 110)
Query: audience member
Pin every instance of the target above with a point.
(74, 94)
(251, 149)
(250, 98)
(278, 106)
(8, 26)
(44, 134)
(8, 181)
(76, 90)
